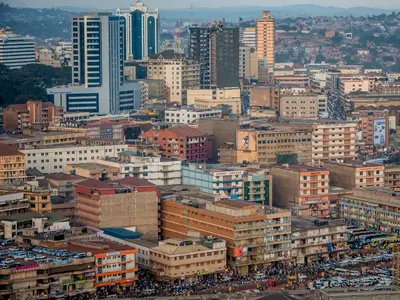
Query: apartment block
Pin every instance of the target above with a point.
(214, 179)
(265, 35)
(274, 145)
(213, 98)
(350, 174)
(94, 171)
(296, 80)
(374, 132)
(155, 169)
(54, 159)
(179, 74)
(392, 177)
(128, 202)
(33, 113)
(180, 142)
(12, 165)
(303, 188)
(190, 115)
(255, 237)
(376, 208)
(353, 85)
(63, 183)
(316, 240)
(187, 259)
(302, 106)
(13, 202)
(257, 187)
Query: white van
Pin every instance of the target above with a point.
(259, 276)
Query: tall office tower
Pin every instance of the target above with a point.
(15, 50)
(265, 39)
(142, 30)
(216, 48)
(97, 68)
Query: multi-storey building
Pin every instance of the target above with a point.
(272, 145)
(115, 264)
(392, 177)
(216, 48)
(180, 142)
(314, 239)
(16, 51)
(190, 115)
(63, 183)
(13, 203)
(157, 170)
(211, 98)
(350, 174)
(142, 31)
(214, 179)
(54, 159)
(265, 35)
(179, 74)
(297, 80)
(12, 165)
(257, 187)
(255, 237)
(302, 106)
(265, 95)
(302, 187)
(128, 202)
(375, 208)
(248, 62)
(353, 85)
(33, 113)
(188, 260)
(93, 171)
(98, 84)
(249, 37)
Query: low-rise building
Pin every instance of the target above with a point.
(12, 203)
(64, 183)
(156, 169)
(188, 260)
(94, 171)
(316, 239)
(128, 202)
(375, 208)
(190, 115)
(54, 159)
(180, 142)
(392, 177)
(12, 165)
(212, 98)
(214, 179)
(349, 174)
(255, 236)
(302, 187)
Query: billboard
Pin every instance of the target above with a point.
(379, 132)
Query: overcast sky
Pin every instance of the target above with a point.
(394, 4)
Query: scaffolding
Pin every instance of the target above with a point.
(396, 264)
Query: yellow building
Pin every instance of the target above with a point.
(188, 259)
(265, 38)
(349, 174)
(39, 200)
(392, 177)
(12, 165)
(210, 98)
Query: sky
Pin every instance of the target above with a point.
(163, 4)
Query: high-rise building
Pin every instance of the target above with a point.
(265, 39)
(249, 37)
(142, 32)
(98, 41)
(216, 48)
(15, 50)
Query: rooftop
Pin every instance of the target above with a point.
(307, 223)
(186, 131)
(104, 185)
(90, 166)
(6, 150)
(63, 177)
(179, 247)
(30, 215)
(353, 163)
(121, 233)
(96, 246)
(301, 168)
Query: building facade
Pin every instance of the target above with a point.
(190, 115)
(180, 142)
(178, 73)
(13, 202)
(354, 174)
(212, 98)
(98, 84)
(129, 202)
(265, 95)
(302, 187)
(12, 165)
(142, 33)
(257, 188)
(373, 208)
(214, 179)
(265, 35)
(254, 237)
(302, 106)
(392, 177)
(16, 51)
(54, 159)
(33, 113)
(249, 37)
(216, 48)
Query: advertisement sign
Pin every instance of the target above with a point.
(30, 267)
(379, 132)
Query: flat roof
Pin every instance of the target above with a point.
(91, 166)
(121, 233)
(302, 168)
(144, 243)
(96, 246)
(307, 223)
(171, 247)
(63, 176)
(354, 163)
(29, 215)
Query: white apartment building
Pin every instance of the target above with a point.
(186, 115)
(157, 170)
(54, 159)
(210, 98)
(249, 37)
(16, 51)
